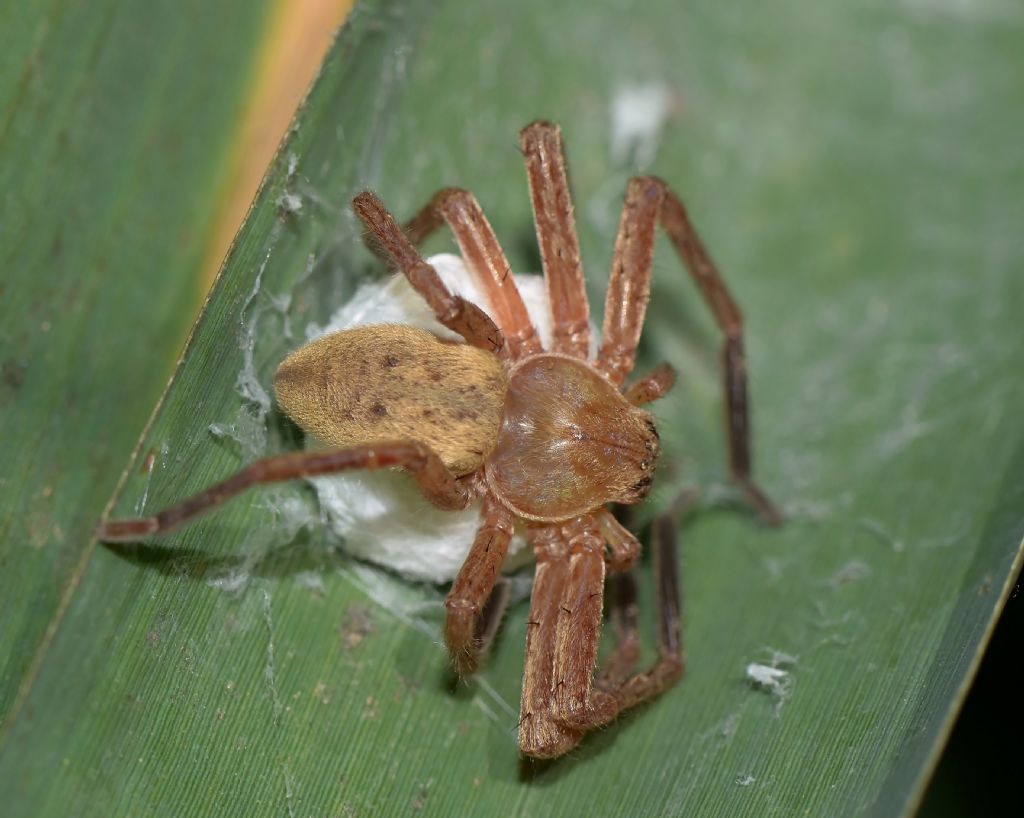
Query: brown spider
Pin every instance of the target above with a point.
(545, 436)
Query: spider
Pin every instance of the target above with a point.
(549, 437)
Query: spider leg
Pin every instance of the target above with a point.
(623, 615)
(669, 666)
(576, 704)
(540, 735)
(649, 200)
(541, 143)
(615, 690)
(453, 311)
(562, 699)
(483, 255)
(623, 609)
(629, 286)
(491, 615)
(466, 630)
(436, 482)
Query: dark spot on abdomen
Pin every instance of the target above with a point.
(378, 410)
(390, 362)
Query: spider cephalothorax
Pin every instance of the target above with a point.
(546, 436)
(562, 420)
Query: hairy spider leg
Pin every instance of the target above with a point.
(649, 201)
(623, 617)
(615, 679)
(490, 617)
(541, 144)
(486, 260)
(540, 735)
(453, 311)
(575, 702)
(466, 631)
(629, 286)
(623, 609)
(563, 698)
(437, 483)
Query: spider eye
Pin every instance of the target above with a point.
(642, 487)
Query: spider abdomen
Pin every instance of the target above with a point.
(384, 382)
(569, 442)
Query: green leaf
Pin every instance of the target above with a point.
(115, 124)
(852, 169)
